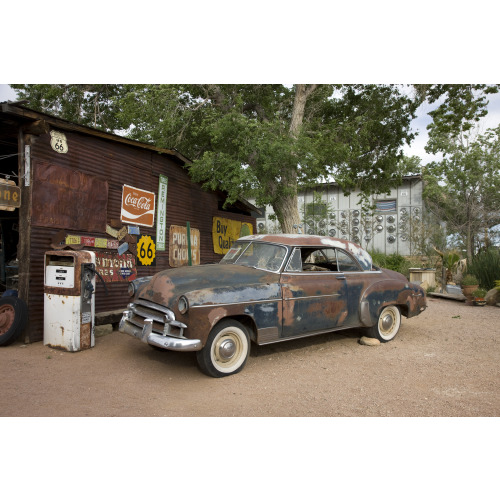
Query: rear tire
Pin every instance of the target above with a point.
(387, 325)
(226, 350)
(13, 319)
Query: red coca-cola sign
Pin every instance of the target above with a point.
(138, 207)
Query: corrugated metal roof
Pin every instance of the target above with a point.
(30, 114)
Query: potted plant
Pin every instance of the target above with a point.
(479, 294)
(469, 284)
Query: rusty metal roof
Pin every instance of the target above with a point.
(24, 113)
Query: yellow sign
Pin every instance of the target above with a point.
(226, 231)
(146, 250)
(73, 240)
(10, 195)
(101, 243)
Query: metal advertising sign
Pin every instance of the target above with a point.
(10, 195)
(58, 142)
(114, 267)
(227, 231)
(138, 207)
(178, 246)
(146, 250)
(161, 226)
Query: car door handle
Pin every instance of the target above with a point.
(341, 277)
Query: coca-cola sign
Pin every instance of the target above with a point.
(138, 207)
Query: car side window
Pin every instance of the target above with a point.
(295, 262)
(346, 262)
(324, 259)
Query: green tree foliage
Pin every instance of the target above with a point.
(91, 105)
(463, 189)
(462, 106)
(261, 141)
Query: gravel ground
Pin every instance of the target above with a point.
(443, 363)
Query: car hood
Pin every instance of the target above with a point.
(211, 284)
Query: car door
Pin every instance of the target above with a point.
(314, 293)
(356, 281)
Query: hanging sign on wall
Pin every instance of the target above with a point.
(226, 231)
(58, 141)
(161, 219)
(10, 195)
(138, 207)
(179, 248)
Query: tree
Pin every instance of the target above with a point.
(463, 189)
(261, 141)
(90, 105)
(266, 141)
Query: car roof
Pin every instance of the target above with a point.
(303, 240)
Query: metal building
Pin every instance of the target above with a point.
(325, 210)
(71, 180)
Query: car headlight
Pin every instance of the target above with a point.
(131, 289)
(183, 304)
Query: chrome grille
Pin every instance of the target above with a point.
(142, 309)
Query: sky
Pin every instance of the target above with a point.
(419, 124)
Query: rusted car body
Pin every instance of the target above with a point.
(269, 288)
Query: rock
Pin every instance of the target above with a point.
(369, 341)
(492, 297)
(101, 330)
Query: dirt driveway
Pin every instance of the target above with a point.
(443, 363)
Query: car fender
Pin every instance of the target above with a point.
(382, 294)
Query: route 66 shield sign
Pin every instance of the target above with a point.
(58, 142)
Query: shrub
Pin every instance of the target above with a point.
(479, 293)
(469, 280)
(394, 262)
(378, 258)
(486, 267)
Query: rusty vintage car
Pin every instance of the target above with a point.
(269, 288)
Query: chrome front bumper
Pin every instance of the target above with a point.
(148, 337)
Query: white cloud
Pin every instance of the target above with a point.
(6, 93)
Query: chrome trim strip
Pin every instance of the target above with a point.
(326, 273)
(313, 297)
(313, 273)
(224, 304)
(319, 332)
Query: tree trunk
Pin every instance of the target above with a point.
(286, 207)
(469, 243)
(287, 212)
(302, 92)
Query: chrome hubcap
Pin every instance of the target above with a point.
(227, 349)
(387, 322)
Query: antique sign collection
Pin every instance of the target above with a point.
(82, 199)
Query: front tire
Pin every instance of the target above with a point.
(226, 350)
(387, 325)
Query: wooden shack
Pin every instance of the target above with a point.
(72, 182)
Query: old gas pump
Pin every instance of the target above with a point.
(69, 299)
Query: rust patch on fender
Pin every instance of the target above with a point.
(215, 315)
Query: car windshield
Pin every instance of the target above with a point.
(256, 254)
